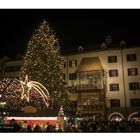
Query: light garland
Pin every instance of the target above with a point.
(43, 63)
(11, 90)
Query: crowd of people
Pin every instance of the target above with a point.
(83, 125)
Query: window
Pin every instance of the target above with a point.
(72, 89)
(74, 104)
(64, 76)
(17, 68)
(113, 73)
(135, 102)
(64, 65)
(112, 59)
(73, 63)
(134, 86)
(115, 103)
(72, 76)
(8, 69)
(114, 87)
(88, 81)
(12, 68)
(131, 57)
(132, 71)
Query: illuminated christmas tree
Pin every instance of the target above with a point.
(43, 63)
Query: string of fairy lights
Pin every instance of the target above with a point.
(43, 64)
(11, 90)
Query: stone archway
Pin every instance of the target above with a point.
(115, 116)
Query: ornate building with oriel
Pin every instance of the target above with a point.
(103, 80)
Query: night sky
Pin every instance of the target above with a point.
(74, 27)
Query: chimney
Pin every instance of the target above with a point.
(108, 39)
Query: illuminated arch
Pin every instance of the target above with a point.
(134, 113)
(115, 113)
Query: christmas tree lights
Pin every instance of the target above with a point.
(43, 63)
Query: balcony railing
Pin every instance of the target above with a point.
(88, 87)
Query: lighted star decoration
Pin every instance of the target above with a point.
(27, 86)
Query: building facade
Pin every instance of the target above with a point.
(109, 81)
(8, 69)
(103, 81)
